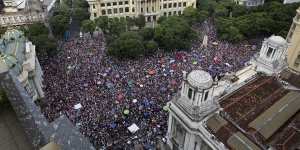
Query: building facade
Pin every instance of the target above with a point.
(250, 3)
(293, 38)
(151, 9)
(20, 56)
(255, 108)
(290, 1)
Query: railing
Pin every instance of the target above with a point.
(20, 19)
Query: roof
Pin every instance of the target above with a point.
(258, 115)
(290, 77)
(200, 79)
(277, 40)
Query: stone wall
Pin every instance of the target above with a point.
(37, 128)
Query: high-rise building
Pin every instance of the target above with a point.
(151, 9)
(293, 38)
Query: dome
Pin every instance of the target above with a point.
(277, 40)
(200, 79)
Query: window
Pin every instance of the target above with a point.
(114, 3)
(108, 4)
(95, 15)
(159, 7)
(126, 9)
(103, 12)
(174, 13)
(94, 6)
(175, 5)
(190, 92)
(170, 5)
(184, 4)
(147, 9)
(154, 18)
(179, 12)
(165, 14)
(178, 133)
(152, 9)
(132, 2)
(120, 10)
(179, 4)
(170, 13)
(133, 9)
(142, 10)
(165, 5)
(270, 51)
(102, 4)
(120, 3)
(108, 11)
(205, 95)
(126, 2)
(115, 10)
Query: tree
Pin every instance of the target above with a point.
(191, 15)
(128, 45)
(45, 46)
(37, 29)
(81, 14)
(116, 26)
(174, 33)
(140, 21)
(88, 26)
(150, 47)
(102, 22)
(59, 24)
(147, 33)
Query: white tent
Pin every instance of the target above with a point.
(77, 106)
(133, 128)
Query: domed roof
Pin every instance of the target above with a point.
(277, 40)
(200, 79)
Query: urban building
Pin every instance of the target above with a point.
(254, 108)
(20, 56)
(293, 38)
(19, 12)
(250, 3)
(151, 9)
(290, 1)
(21, 78)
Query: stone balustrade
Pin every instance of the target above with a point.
(20, 19)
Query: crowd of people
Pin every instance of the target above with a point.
(114, 94)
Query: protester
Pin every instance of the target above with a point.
(115, 94)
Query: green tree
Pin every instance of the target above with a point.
(174, 33)
(102, 22)
(37, 29)
(128, 45)
(59, 24)
(81, 14)
(140, 21)
(46, 46)
(192, 15)
(147, 33)
(116, 26)
(150, 47)
(88, 26)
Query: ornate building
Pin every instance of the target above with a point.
(151, 9)
(293, 38)
(255, 108)
(20, 56)
(19, 12)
